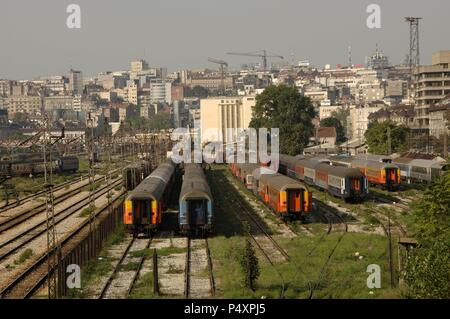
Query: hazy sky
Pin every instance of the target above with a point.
(184, 33)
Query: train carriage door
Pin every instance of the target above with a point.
(294, 200)
(197, 211)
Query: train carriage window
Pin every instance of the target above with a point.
(420, 170)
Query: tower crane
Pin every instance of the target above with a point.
(223, 65)
(262, 54)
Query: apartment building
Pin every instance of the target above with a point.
(359, 118)
(76, 86)
(432, 84)
(30, 104)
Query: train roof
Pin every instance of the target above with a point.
(289, 160)
(339, 171)
(426, 163)
(248, 167)
(195, 185)
(281, 182)
(258, 172)
(341, 159)
(372, 164)
(154, 185)
(374, 157)
(309, 163)
(401, 160)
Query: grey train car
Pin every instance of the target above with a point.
(421, 170)
(195, 202)
(340, 181)
(135, 173)
(145, 204)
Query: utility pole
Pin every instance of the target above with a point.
(108, 161)
(414, 47)
(53, 248)
(90, 146)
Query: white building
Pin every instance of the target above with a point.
(221, 113)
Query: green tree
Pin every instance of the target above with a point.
(341, 114)
(334, 122)
(377, 137)
(249, 262)
(284, 108)
(197, 91)
(161, 121)
(427, 269)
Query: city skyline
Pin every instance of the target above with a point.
(38, 43)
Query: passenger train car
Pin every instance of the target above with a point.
(35, 166)
(145, 204)
(385, 175)
(195, 202)
(285, 196)
(135, 173)
(420, 170)
(346, 183)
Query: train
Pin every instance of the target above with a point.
(144, 205)
(349, 184)
(196, 214)
(135, 173)
(33, 167)
(420, 170)
(378, 173)
(286, 197)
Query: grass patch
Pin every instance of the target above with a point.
(148, 252)
(24, 256)
(133, 266)
(144, 288)
(87, 211)
(344, 277)
(98, 268)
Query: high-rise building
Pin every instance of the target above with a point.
(76, 86)
(157, 91)
(432, 84)
(138, 67)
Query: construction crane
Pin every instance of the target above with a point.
(223, 65)
(262, 54)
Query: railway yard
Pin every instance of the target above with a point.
(323, 256)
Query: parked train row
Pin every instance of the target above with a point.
(285, 196)
(33, 167)
(347, 183)
(144, 205)
(421, 169)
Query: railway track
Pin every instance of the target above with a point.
(41, 193)
(20, 240)
(330, 218)
(333, 219)
(35, 276)
(264, 242)
(198, 258)
(33, 196)
(120, 284)
(397, 203)
(387, 222)
(14, 220)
